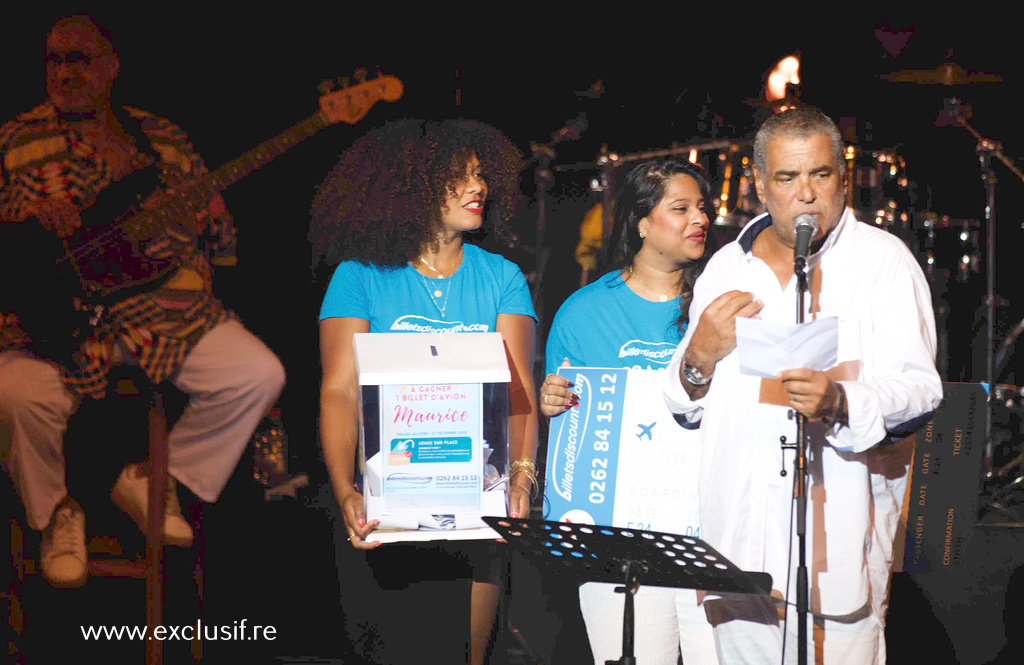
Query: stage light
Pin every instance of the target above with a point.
(786, 72)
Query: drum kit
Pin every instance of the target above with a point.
(957, 256)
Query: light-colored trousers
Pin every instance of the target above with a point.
(230, 377)
(667, 622)
(749, 631)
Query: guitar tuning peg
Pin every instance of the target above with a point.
(360, 75)
(343, 81)
(325, 86)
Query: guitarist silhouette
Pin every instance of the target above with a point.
(58, 162)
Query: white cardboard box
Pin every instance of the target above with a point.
(412, 384)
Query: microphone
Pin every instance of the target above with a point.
(805, 227)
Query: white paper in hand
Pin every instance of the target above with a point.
(765, 349)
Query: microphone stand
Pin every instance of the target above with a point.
(987, 149)
(800, 487)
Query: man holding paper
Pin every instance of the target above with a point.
(884, 376)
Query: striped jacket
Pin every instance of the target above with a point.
(42, 156)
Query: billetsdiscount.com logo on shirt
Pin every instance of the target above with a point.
(421, 324)
(656, 352)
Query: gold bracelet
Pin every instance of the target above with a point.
(529, 474)
(526, 462)
(529, 467)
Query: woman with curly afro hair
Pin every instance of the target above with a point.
(394, 213)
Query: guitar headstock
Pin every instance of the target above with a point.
(349, 104)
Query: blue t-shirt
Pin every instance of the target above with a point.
(402, 300)
(605, 324)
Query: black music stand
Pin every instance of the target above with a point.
(628, 556)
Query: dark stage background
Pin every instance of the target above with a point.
(233, 78)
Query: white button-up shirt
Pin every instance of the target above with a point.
(871, 282)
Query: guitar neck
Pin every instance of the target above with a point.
(346, 105)
(240, 167)
(148, 222)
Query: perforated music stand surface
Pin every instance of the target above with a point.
(601, 554)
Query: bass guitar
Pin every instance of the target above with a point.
(103, 261)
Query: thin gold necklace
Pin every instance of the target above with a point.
(436, 293)
(455, 265)
(662, 297)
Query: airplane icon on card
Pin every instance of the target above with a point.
(645, 430)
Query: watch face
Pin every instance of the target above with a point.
(694, 376)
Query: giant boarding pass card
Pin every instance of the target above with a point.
(620, 458)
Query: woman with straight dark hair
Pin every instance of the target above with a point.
(634, 316)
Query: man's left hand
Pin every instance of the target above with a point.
(810, 392)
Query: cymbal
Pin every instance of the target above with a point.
(948, 73)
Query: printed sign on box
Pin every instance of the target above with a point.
(433, 438)
(620, 458)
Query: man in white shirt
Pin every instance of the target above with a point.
(885, 377)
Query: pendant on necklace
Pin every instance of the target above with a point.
(437, 293)
(662, 298)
